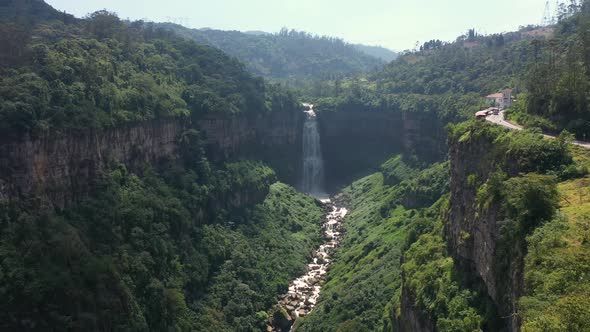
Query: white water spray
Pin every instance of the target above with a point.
(313, 164)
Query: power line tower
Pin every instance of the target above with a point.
(549, 14)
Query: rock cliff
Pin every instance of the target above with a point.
(356, 143)
(274, 138)
(473, 231)
(409, 319)
(57, 169)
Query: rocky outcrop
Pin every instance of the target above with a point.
(410, 319)
(355, 143)
(57, 169)
(274, 138)
(473, 231)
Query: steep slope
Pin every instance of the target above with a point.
(503, 190)
(31, 11)
(160, 252)
(367, 273)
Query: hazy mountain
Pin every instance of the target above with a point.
(380, 52)
(287, 54)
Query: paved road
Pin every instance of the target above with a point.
(500, 120)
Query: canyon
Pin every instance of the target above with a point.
(60, 168)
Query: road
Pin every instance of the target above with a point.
(500, 120)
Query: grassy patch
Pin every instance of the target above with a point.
(557, 266)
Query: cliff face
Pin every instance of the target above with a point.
(356, 143)
(473, 232)
(274, 138)
(410, 320)
(58, 169)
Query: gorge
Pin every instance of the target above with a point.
(149, 182)
(304, 291)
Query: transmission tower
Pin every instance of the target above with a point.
(549, 14)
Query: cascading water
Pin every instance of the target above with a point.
(313, 164)
(304, 291)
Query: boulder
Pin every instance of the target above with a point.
(282, 320)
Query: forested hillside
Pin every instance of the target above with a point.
(380, 52)
(449, 79)
(501, 252)
(546, 66)
(288, 54)
(556, 83)
(452, 225)
(103, 72)
(177, 244)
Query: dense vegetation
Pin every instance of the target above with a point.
(102, 72)
(537, 178)
(546, 66)
(154, 253)
(365, 280)
(449, 79)
(395, 249)
(188, 245)
(288, 54)
(193, 245)
(380, 52)
(557, 262)
(446, 298)
(557, 78)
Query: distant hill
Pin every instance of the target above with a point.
(257, 33)
(380, 52)
(287, 54)
(30, 11)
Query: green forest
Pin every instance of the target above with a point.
(290, 56)
(467, 226)
(103, 72)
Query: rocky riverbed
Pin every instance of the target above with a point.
(304, 291)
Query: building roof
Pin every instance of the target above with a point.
(495, 95)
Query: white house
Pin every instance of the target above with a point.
(502, 100)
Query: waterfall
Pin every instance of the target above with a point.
(313, 164)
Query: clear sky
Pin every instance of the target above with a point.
(396, 24)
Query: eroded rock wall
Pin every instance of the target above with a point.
(57, 169)
(474, 230)
(356, 143)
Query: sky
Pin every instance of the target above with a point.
(395, 24)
